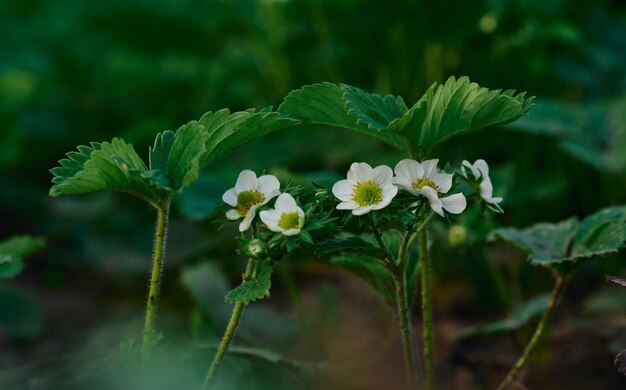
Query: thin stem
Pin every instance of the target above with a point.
(229, 333)
(410, 356)
(427, 307)
(556, 292)
(158, 255)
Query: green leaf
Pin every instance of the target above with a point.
(12, 252)
(369, 270)
(457, 107)
(227, 132)
(346, 107)
(520, 316)
(102, 166)
(256, 288)
(447, 110)
(21, 246)
(569, 241)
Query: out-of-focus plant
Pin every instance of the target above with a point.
(561, 248)
(456, 107)
(174, 164)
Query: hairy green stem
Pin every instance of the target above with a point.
(541, 326)
(427, 308)
(229, 333)
(158, 255)
(406, 331)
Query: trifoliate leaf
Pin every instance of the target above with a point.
(520, 316)
(447, 110)
(255, 288)
(369, 270)
(570, 242)
(228, 132)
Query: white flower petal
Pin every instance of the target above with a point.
(347, 205)
(359, 172)
(409, 170)
(433, 199)
(382, 175)
(429, 167)
(443, 181)
(233, 215)
(269, 186)
(454, 204)
(230, 197)
(486, 188)
(362, 210)
(482, 167)
(270, 218)
(246, 181)
(465, 165)
(245, 224)
(495, 200)
(343, 190)
(285, 203)
(402, 182)
(291, 232)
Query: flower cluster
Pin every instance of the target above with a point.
(367, 188)
(250, 193)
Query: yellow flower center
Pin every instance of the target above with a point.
(247, 199)
(425, 182)
(367, 193)
(289, 221)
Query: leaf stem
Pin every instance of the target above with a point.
(427, 307)
(556, 292)
(229, 333)
(158, 255)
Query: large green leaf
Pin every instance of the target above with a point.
(570, 242)
(346, 107)
(453, 108)
(256, 288)
(228, 131)
(459, 106)
(174, 165)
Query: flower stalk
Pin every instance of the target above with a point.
(427, 307)
(158, 256)
(230, 331)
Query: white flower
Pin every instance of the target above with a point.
(286, 217)
(365, 189)
(424, 180)
(480, 172)
(248, 195)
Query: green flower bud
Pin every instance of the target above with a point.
(457, 235)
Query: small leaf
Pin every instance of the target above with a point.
(570, 242)
(21, 246)
(620, 362)
(10, 266)
(254, 289)
(369, 270)
(546, 243)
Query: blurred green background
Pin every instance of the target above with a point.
(74, 71)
